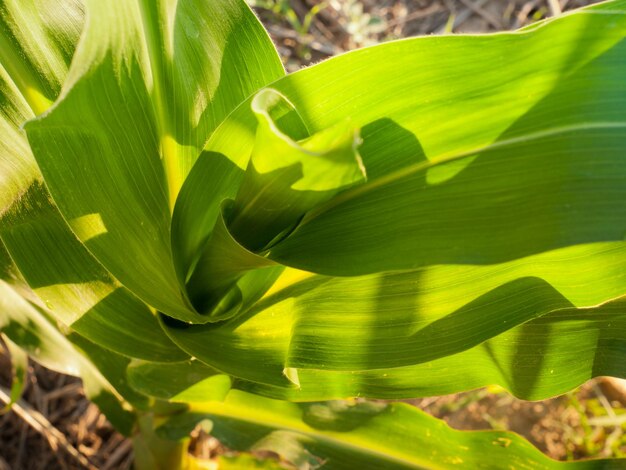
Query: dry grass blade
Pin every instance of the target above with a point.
(39, 423)
(463, 16)
(476, 7)
(416, 15)
(122, 451)
(614, 388)
(555, 7)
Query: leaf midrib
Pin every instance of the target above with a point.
(410, 170)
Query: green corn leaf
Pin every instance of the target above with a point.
(37, 42)
(187, 382)
(430, 320)
(154, 453)
(481, 205)
(27, 326)
(237, 462)
(533, 361)
(113, 367)
(19, 372)
(8, 271)
(456, 161)
(365, 435)
(505, 218)
(147, 86)
(223, 263)
(284, 180)
(199, 206)
(180, 426)
(202, 69)
(74, 287)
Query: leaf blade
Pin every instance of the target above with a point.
(61, 271)
(112, 108)
(340, 435)
(386, 335)
(28, 327)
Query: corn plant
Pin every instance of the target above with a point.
(207, 241)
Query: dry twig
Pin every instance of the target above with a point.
(462, 17)
(555, 7)
(40, 424)
(477, 8)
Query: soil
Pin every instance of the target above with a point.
(60, 399)
(562, 427)
(565, 427)
(342, 25)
